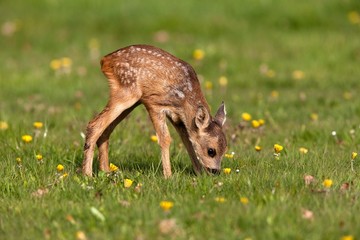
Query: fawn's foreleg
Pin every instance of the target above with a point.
(158, 119)
(180, 128)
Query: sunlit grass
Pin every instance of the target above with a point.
(288, 74)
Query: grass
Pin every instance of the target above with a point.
(257, 45)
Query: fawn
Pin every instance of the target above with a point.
(169, 89)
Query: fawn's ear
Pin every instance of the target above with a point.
(202, 118)
(220, 116)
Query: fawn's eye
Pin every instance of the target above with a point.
(211, 152)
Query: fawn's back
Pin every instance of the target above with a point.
(157, 76)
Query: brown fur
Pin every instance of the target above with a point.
(169, 89)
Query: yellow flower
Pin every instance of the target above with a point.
(94, 43)
(39, 157)
(257, 148)
(354, 17)
(229, 155)
(270, 73)
(327, 183)
(198, 54)
(38, 125)
(4, 125)
(26, 138)
(255, 123)
(347, 237)
(127, 182)
(347, 95)
(298, 74)
(60, 168)
(353, 155)
(227, 170)
(18, 160)
(80, 235)
(166, 205)
(278, 148)
(55, 64)
(274, 94)
(154, 138)
(64, 175)
(246, 116)
(244, 200)
(208, 85)
(314, 117)
(220, 199)
(303, 150)
(66, 62)
(261, 121)
(223, 81)
(113, 167)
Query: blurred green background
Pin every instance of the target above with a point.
(293, 63)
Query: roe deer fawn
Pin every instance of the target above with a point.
(169, 89)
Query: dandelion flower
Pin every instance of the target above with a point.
(229, 155)
(303, 150)
(274, 94)
(113, 167)
(166, 205)
(64, 176)
(80, 235)
(255, 123)
(257, 148)
(314, 117)
(198, 54)
(66, 62)
(55, 64)
(246, 116)
(154, 138)
(127, 182)
(327, 183)
(38, 125)
(4, 125)
(347, 95)
(244, 200)
(208, 85)
(39, 157)
(18, 160)
(347, 237)
(354, 17)
(270, 73)
(278, 148)
(59, 168)
(220, 199)
(298, 74)
(227, 170)
(223, 81)
(353, 156)
(94, 44)
(26, 138)
(261, 121)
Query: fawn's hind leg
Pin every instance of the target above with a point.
(103, 141)
(98, 125)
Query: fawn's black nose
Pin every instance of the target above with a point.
(214, 171)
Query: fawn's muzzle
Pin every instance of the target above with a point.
(213, 171)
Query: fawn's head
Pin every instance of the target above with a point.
(208, 139)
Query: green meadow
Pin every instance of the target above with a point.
(288, 71)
